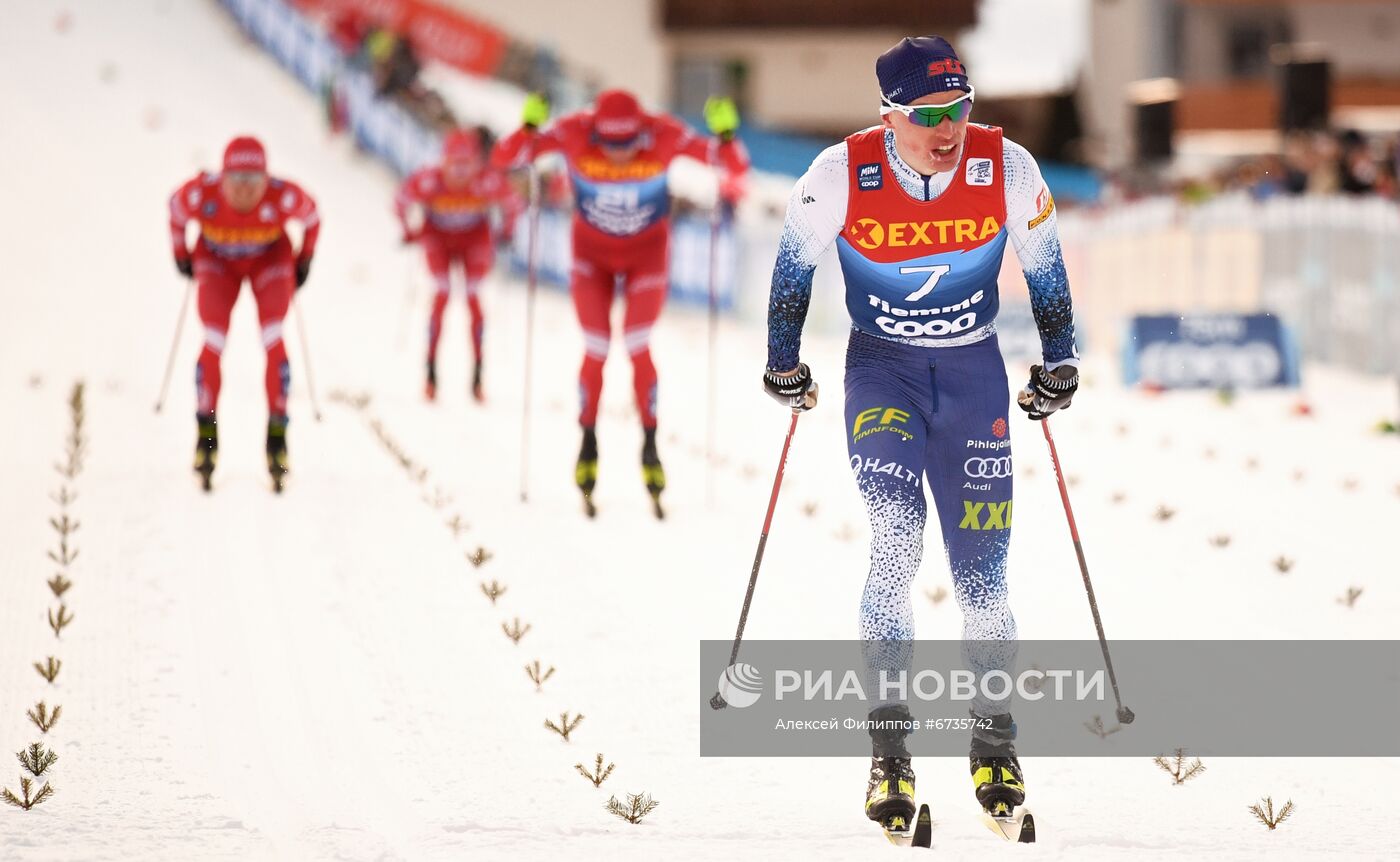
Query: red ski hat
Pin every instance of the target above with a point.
(617, 118)
(245, 154)
(462, 145)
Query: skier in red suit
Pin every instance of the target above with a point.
(618, 156)
(455, 199)
(242, 212)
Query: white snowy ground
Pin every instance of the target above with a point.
(318, 676)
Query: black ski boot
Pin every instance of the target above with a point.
(889, 795)
(430, 388)
(586, 471)
(996, 773)
(206, 449)
(478, 395)
(653, 474)
(277, 451)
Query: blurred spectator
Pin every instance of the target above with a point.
(1356, 170)
(392, 62)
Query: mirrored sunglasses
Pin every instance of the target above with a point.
(932, 115)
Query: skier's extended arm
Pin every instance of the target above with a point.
(816, 210)
(723, 149)
(411, 195)
(296, 205)
(1030, 220)
(183, 206)
(531, 141)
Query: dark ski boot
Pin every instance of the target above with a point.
(277, 451)
(478, 395)
(653, 474)
(206, 450)
(996, 773)
(430, 388)
(586, 471)
(889, 795)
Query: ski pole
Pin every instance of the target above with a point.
(532, 248)
(306, 359)
(711, 411)
(1125, 715)
(174, 345)
(717, 702)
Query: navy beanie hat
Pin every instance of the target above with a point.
(920, 65)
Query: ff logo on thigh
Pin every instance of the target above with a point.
(885, 419)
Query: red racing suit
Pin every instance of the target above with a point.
(456, 230)
(234, 246)
(621, 232)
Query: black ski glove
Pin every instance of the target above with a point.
(795, 389)
(186, 266)
(1048, 391)
(303, 270)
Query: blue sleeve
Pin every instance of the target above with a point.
(789, 296)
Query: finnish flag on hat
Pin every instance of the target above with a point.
(920, 65)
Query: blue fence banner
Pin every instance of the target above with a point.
(1217, 351)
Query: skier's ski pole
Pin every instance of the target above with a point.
(717, 702)
(532, 249)
(1125, 715)
(711, 410)
(174, 345)
(306, 360)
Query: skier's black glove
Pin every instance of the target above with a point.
(303, 270)
(1048, 391)
(186, 266)
(795, 389)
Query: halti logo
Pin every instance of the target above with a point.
(869, 177)
(979, 172)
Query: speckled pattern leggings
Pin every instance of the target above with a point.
(941, 413)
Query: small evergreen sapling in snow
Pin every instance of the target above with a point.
(493, 590)
(537, 676)
(42, 718)
(515, 631)
(59, 584)
(479, 557)
(1283, 564)
(1095, 726)
(599, 773)
(638, 805)
(49, 669)
(60, 622)
(1264, 812)
(64, 556)
(1177, 768)
(24, 800)
(1352, 594)
(35, 759)
(565, 726)
(64, 525)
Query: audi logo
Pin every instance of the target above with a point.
(988, 468)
